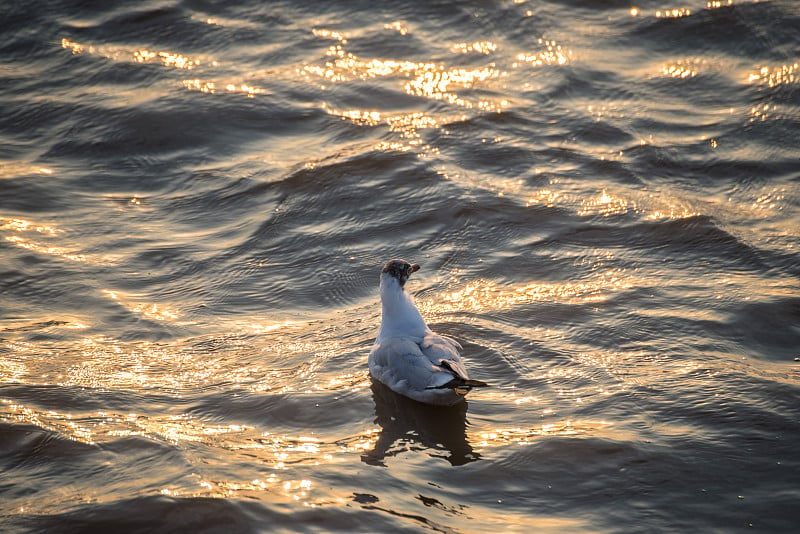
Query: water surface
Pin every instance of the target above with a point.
(196, 199)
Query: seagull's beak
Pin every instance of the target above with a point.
(414, 268)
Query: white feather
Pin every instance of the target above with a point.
(407, 356)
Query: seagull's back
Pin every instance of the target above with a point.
(407, 356)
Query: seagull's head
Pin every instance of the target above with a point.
(399, 269)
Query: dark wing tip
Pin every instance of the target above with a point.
(476, 383)
(461, 385)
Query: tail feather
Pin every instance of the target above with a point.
(461, 385)
(475, 383)
(464, 384)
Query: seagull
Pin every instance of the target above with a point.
(407, 356)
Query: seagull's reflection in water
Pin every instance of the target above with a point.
(418, 426)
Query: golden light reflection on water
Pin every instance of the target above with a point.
(545, 197)
(330, 34)
(611, 201)
(683, 68)
(136, 55)
(279, 364)
(605, 205)
(678, 12)
(23, 225)
(14, 169)
(65, 253)
(213, 87)
(478, 47)
(763, 112)
(774, 76)
(674, 13)
(283, 456)
(483, 296)
(651, 206)
(398, 26)
(566, 427)
(12, 370)
(356, 116)
(771, 201)
(279, 461)
(168, 59)
(553, 54)
(348, 67)
(282, 466)
(486, 295)
(407, 125)
(670, 212)
(426, 79)
(18, 227)
(106, 364)
(459, 86)
(294, 489)
(158, 312)
(279, 451)
(440, 84)
(264, 328)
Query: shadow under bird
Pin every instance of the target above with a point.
(407, 356)
(406, 424)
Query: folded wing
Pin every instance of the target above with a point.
(430, 362)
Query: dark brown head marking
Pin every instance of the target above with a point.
(400, 269)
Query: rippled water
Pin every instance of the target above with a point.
(196, 199)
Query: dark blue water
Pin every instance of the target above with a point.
(196, 199)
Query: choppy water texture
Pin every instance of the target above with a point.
(196, 199)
